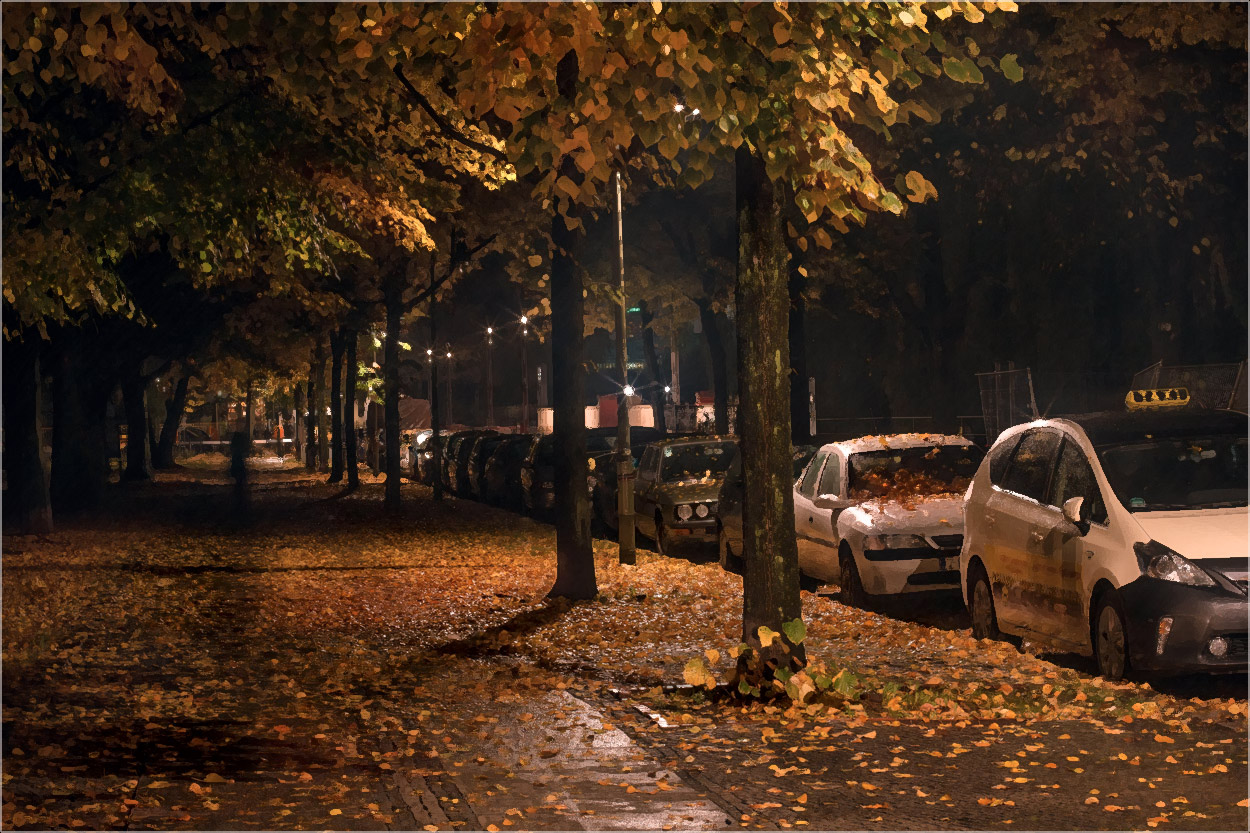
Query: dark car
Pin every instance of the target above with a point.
(483, 447)
(502, 476)
(456, 460)
(538, 476)
(603, 478)
(677, 489)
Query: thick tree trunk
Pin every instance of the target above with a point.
(27, 502)
(390, 387)
(310, 430)
(652, 358)
(298, 426)
(249, 425)
(711, 322)
(349, 412)
(800, 426)
(771, 576)
(336, 406)
(175, 406)
(371, 440)
(80, 460)
(575, 562)
(319, 397)
(133, 392)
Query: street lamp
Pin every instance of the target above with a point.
(450, 418)
(525, 375)
(626, 553)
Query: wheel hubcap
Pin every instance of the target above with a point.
(1110, 642)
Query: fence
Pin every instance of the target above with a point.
(832, 429)
(1006, 399)
(1209, 385)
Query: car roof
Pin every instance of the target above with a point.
(1117, 427)
(698, 438)
(876, 442)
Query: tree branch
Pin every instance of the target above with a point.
(445, 126)
(452, 266)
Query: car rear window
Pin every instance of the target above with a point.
(1031, 465)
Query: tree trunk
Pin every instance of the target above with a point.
(27, 502)
(336, 405)
(319, 397)
(349, 412)
(249, 425)
(436, 439)
(175, 406)
(80, 460)
(390, 394)
(652, 358)
(371, 440)
(133, 392)
(575, 562)
(800, 427)
(771, 576)
(310, 430)
(298, 425)
(720, 371)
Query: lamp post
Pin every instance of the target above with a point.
(450, 417)
(525, 375)
(627, 553)
(490, 376)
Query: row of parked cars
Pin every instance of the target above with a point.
(1117, 535)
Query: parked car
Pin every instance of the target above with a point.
(729, 506)
(677, 486)
(1121, 535)
(483, 447)
(426, 471)
(502, 485)
(538, 476)
(456, 460)
(894, 505)
(603, 480)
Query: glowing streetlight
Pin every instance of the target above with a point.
(628, 390)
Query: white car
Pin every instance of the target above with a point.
(883, 515)
(1117, 534)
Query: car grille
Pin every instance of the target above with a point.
(1236, 644)
(948, 541)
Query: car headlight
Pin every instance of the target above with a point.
(1158, 561)
(684, 511)
(894, 542)
(701, 510)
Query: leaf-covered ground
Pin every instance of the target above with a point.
(171, 664)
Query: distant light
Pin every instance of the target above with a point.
(221, 393)
(634, 309)
(678, 107)
(525, 319)
(490, 331)
(157, 380)
(694, 112)
(449, 354)
(629, 390)
(429, 352)
(668, 389)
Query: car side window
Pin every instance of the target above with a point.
(1075, 478)
(1000, 456)
(1031, 465)
(647, 467)
(807, 485)
(831, 480)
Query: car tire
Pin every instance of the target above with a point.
(981, 606)
(850, 587)
(663, 544)
(1110, 637)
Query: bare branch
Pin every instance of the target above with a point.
(445, 126)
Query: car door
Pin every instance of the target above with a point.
(1018, 515)
(1064, 551)
(804, 508)
(828, 501)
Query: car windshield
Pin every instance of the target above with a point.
(1177, 473)
(695, 461)
(894, 473)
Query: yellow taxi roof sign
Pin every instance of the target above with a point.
(1138, 400)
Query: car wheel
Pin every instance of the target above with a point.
(981, 607)
(1110, 638)
(852, 589)
(663, 543)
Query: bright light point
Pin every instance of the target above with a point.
(694, 112)
(668, 389)
(490, 331)
(525, 319)
(629, 390)
(429, 352)
(678, 107)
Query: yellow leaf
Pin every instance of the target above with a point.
(1163, 739)
(534, 260)
(781, 32)
(336, 812)
(364, 50)
(713, 655)
(657, 6)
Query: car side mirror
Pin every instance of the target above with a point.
(1072, 512)
(827, 502)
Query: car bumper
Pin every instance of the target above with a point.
(894, 572)
(1198, 614)
(695, 529)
